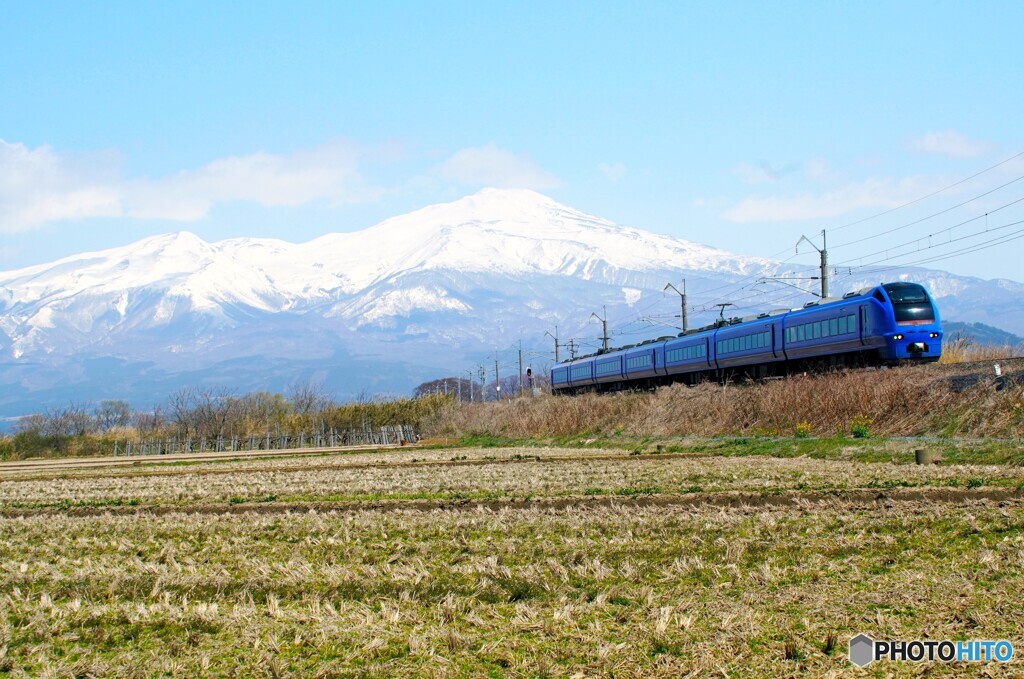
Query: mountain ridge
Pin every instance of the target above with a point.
(440, 286)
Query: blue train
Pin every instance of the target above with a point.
(885, 325)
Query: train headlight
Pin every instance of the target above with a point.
(897, 337)
(934, 335)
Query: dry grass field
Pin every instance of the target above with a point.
(729, 557)
(935, 400)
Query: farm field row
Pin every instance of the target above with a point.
(569, 560)
(630, 591)
(478, 473)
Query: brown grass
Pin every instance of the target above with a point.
(897, 402)
(962, 350)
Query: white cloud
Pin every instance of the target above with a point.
(872, 193)
(952, 143)
(328, 172)
(492, 166)
(39, 186)
(613, 172)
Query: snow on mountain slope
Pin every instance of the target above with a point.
(90, 298)
(513, 232)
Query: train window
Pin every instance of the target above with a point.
(851, 323)
(833, 326)
(842, 325)
(817, 330)
(801, 334)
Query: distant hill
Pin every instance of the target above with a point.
(981, 334)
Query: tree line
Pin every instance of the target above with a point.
(211, 412)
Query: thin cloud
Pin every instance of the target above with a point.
(493, 166)
(613, 172)
(872, 193)
(762, 172)
(952, 143)
(38, 186)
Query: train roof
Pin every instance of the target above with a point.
(736, 320)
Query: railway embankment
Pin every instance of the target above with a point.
(945, 401)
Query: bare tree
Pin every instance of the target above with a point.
(110, 414)
(212, 410)
(34, 423)
(180, 404)
(151, 422)
(308, 398)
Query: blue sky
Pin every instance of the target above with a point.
(738, 125)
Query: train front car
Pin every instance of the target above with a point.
(910, 325)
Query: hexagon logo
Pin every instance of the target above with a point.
(862, 650)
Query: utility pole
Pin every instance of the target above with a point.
(823, 251)
(497, 381)
(571, 344)
(520, 367)
(483, 384)
(554, 337)
(682, 295)
(470, 373)
(604, 326)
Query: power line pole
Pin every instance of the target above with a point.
(497, 381)
(520, 367)
(682, 295)
(604, 326)
(483, 384)
(554, 337)
(571, 344)
(823, 251)
(470, 373)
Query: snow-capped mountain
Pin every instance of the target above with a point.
(413, 297)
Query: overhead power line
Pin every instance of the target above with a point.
(930, 195)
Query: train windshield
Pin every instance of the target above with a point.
(910, 303)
